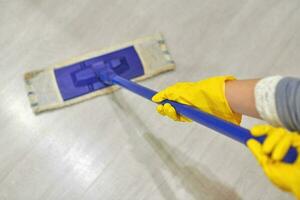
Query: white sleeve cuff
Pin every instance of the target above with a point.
(265, 99)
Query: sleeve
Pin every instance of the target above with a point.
(277, 101)
(287, 98)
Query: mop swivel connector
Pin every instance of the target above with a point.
(100, 71)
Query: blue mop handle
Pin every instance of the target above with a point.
(231, 130)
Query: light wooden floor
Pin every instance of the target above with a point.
(116, 146)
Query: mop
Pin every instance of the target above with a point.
(101, 72)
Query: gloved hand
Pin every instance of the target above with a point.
(207, 95)
(272, 151)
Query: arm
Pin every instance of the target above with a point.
(274, 99)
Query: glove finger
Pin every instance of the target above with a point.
(260, 130)
(184, 119)
(296, 144)
(256, 149)
(271, 141)
(296, 140)
(282, 147)
(160, 110)
(170, 111)
(158, 97)
(168, 108)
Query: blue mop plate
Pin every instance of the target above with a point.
(80, 78)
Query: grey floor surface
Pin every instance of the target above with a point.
(117, 146)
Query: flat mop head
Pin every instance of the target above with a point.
(76, 80)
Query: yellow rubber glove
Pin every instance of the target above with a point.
(207, 95)
(272, 151)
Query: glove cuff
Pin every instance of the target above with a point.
(236, 118)
(213, 92)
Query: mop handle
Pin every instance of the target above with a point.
(231, 130)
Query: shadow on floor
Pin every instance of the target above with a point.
(155, 154)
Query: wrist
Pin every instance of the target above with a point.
(240, 96)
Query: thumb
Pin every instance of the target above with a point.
(159, 97)
(256, 149)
